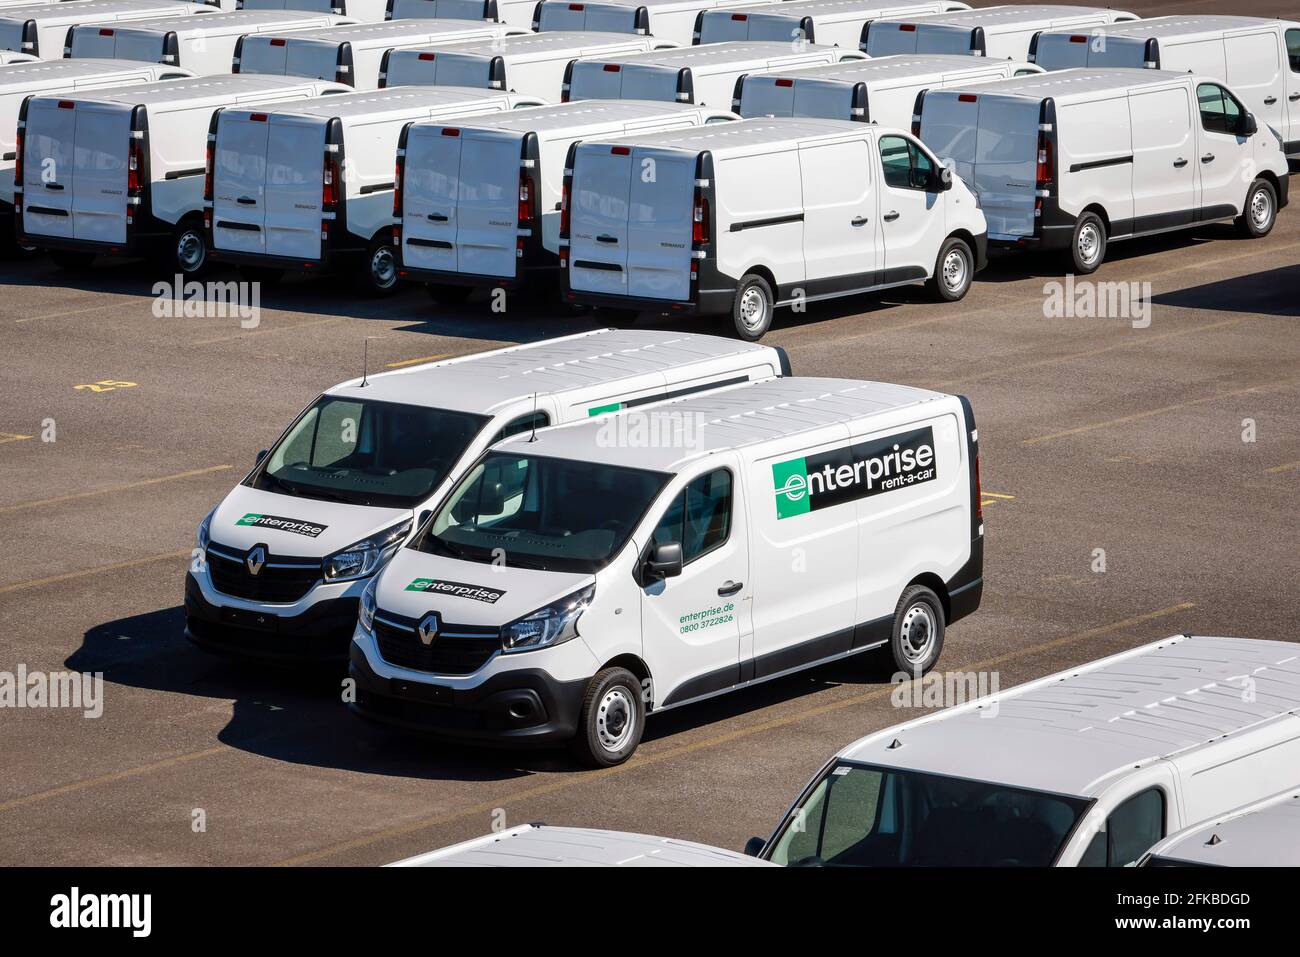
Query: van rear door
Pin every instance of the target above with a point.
(598, 232)
(488, 202)
(48, 149)
(315, 58)
(1061, 51)
(429, 205)
(239, 182)
(100, 171)
(644, 81)
(295, 160)
(269, 55)
(659, 224)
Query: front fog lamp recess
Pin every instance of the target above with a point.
(552, 625)
(364, 557)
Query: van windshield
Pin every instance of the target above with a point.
(544, 513)
(862, 816)
(367, 453)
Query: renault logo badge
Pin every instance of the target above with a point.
(255, 559)
(428, 628)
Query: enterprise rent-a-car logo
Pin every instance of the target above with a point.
(296, 526)
(456, 589)
(855, 471)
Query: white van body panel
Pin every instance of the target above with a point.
(534, 63)
(1005, 32)
(355, 54)
(457, 10)
(890, 85)
(203, 46)
(359, 11)
(1263, 834)
(440, 181)
(42, 29)
(836, 23)
(672, 21)
(705, 75)
(50, 77)
(9, 56)
(1249, 54)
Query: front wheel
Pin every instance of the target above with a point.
(612, 719)
(1088, 244)
(953, 270)
(917, 638)
(379, 274)
(190, 248)
(1256, 220)
(751, 312)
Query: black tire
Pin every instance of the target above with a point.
(1260, 212)
(190, 247)
(954, 270)
(11, 249)
(379, 268)
(917, 636)
(1088, 244)
(266, 275)
(612, 719)
(448, 295)
(751, 311)
(71, 260)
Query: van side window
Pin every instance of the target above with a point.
(525, 423)
(906, 167)
(1293, 49)
(699, 518)
(1220, 111)
(717, 119)
(1025, 73)
(1130, 831)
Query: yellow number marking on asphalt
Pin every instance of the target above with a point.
(12, 437)
(992, 498)
(107, 385)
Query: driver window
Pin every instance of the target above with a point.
(906, 166)
(1130, 831)
(525, 423)
(1220, 111)
(1293, 49)
(699, 518)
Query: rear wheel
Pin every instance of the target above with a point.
(917, 638)
(190, 247)
(1260, 213)
(1088, 244)
(379, 273)
(612, 719)
(751, 312)
(953, 270)
(448, 295)
(71, 259)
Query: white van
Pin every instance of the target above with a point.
(741, 218)
(707, 75)
(289, 550)
(1077, 158)
(357, 54)
(880, 90)
(1089, 767)
(537, 845)
(48, 77)
(202, 45)
(460, 227)
(359, 11)
(493, 10)
(9, 56)
(671, 20)
(576, 580)
(836, 23)
(1002, 32)
(1263, 834)
(1258, 58)
(309, 186)
(42, 30)
(125, 170)
(536, 63)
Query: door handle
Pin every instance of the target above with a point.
(55, 186)
(1270, 100)
(1207, 158)
(858, 221)
(246, 201)
(729, 588)
(607, 239)
(1293, 97)
(890, 216)
(438, 217)
(1180, 163)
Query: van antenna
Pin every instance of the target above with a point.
(533, 437)
(365, 361)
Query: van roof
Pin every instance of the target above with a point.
(729, 52)
(1067, 85)
(385, 104)
(744, 136)
(38, 71)
(562, 41)
(653, 5)
(360, 33)
(1072, 732)
(210, 23)
(1266, 833)
(995, 16)
(213, 88)
(85, 11)
(898, 65)
(812, 8)
(566, 116)
(484, 382)
(734, 418)
(1182, 27)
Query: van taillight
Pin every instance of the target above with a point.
(1078, 38)
(611, 67)
(426, 57)
(329, 197)
(526, 200)
(700, 218)
(397, 186)
(564, 214)
(907, 27)
(134, 166)
(18, 158)
(740, 17)
(979, 495)
(67, 105)
(277, 42)
(450, 131)
(621, 151)
(1043, 175)
(209, 168)
(105, 33)
(577, 7)
(785, 82)
(967, 98)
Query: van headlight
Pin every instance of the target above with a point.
(367, 606)
(204, 534)
(366, 556)
(552, 625)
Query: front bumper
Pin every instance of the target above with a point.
(319, 634)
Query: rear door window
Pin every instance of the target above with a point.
(1293, 49)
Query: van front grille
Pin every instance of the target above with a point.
(455, 650)
(281, 579)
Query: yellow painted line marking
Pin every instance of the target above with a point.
(416, 362)
(116, 303)
(59, 499)
(279, 327)
(12, 437)
(1177, 406)
(643, 760)
(997, 495)
(76, 786)
(116, 566)
(1282, 468)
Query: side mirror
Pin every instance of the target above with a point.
(754, 846)
(492, 500)
(945, 178)
(665, 562)
(1248, 125)
(260, 455)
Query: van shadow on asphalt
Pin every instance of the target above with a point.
(1271, 292)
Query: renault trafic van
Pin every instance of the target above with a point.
(354, 54)
(835, 23)
(202, 45)
(670, 20)
(1089, 767)
(575, 581)
(1258, 58)
(1002, 32)
(21, 80)
(359, 11)
(1263, 834)
(286, 555)
(125, 175)
(744, 217)
(535, 63)
(42, 30)
(460, 225)
(1075, 159)
(491, 10)
(309, 186)
(880, 90)
(707, 75)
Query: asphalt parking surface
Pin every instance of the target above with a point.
(1094, 435)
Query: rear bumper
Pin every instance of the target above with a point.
(536, 263)
(326, 262)
(130, 247)
(714, 295)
